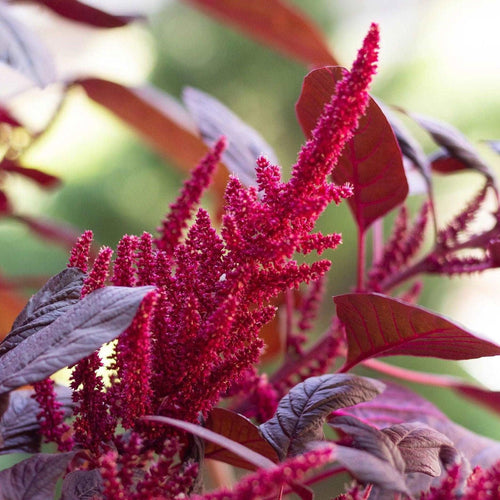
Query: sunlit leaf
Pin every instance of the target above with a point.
(377, 325)
(240, 429)
(276, 24)
(371, 161)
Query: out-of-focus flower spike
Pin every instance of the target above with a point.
(310, 304)
(170, 232)
(79, 256)
(124, 265)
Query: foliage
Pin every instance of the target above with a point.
(185, 310)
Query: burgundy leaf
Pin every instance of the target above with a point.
(54, 231)
(98, 318)
(162, 124)
(34, 478)
(420, 446)
(245, 144)
(397, 405)
(441, 161)
(240, 429)
(41, 178)
(371, 161)
(19, 425)
(82, 485)
(84, 13)
(256, 459)
(302, 412)
(51, 301)
(7, 117)
(5, 207)
(454, 143)
(490, 399)
(23, 51)
(377, 325)
(275, 23)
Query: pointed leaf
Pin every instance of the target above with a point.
(245, 144)
(240, 429)
(454, 143)
(494, 145)
(19, 425)
(160, 121)
(82, 485)
(256, 459)
(23, 51)
(302, 412)
(98, 318)
(420, 446)
(84, 13)
(371, 161)
(377, 325)
(276, 24)
(34, 478)
(397, 405)
(51, 301)
(41, 178)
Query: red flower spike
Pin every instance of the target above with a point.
(266, 482)
(181, 211)
(80, 252)
(99, 274)
(51, 417)
(123, 268)
(146, 261)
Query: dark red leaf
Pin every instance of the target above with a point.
(377, 325)
(371, 161)
(55, 298)
(159, 121)
(256, 459)
(245, 144)
(7, 117)
(5, 207)
(54, 231)
(302, 412)
(96, 319)
(41, 178)
(443, 163)
(238, 428)
(276, 24)
(84, 13)
(34, 478)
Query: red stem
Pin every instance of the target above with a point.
(361, 258)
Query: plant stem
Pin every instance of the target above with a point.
(361, 259)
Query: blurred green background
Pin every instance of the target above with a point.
(437, 58)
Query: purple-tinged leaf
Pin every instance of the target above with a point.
(34, 478)
(84, 13)
(245, 144)
(256, 459)
(442, 162)
(238, 428)
(7, 117)
(41, 178)
(98, 318)
(276, 24)
(371, 161)
(494, 145)
(23, 51)
(301, 414)
(82, 485)
(377, 325)
(454, 143)
(397, 405)
(57, 232)
(420, 446)
(55, 298)
(19, 425)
